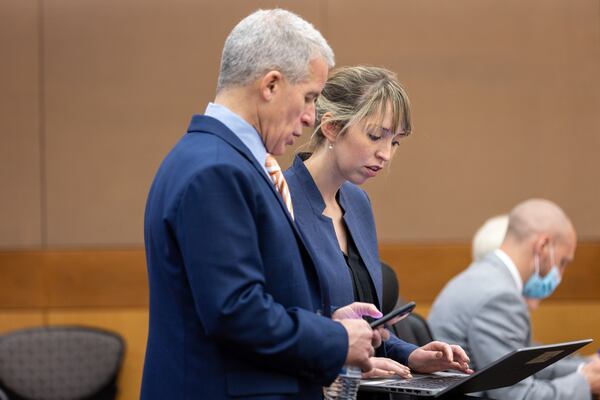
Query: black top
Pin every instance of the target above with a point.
(362, 284)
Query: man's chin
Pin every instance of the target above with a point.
(277, 151)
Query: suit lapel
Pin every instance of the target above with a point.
(323, 241)
(212, 126)
(201, 123)
(355, 227)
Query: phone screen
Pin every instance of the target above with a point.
(398, 312)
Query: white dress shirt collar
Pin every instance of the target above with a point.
(241, 128)
(512, 268)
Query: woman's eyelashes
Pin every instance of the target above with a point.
(373, 137)
(395, 140)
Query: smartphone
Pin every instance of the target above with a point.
(398, 312)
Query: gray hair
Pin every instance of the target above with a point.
(489, 236)
(271, 40)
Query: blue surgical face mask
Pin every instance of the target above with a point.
(538, 287)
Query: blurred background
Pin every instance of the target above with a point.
(506, 106)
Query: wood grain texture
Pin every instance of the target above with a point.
(82, 278)
(424, 269)
(117, 277)
(11, 320)
(96, 278)
(21, 273)
(566, 320)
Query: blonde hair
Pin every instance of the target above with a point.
(352, 94)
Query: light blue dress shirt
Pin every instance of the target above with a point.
(242, 129)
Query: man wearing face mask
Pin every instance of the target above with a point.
(483, 310)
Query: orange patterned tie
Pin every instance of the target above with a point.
(276, 175)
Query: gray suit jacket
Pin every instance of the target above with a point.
(482, 310)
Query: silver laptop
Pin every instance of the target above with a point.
(506, 371)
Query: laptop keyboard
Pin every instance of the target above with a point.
(428, 382)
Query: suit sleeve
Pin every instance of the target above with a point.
(502, 325)
(561, 368)
(219, 242)
(398, 350)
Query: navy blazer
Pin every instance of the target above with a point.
(234, 294)
(319, 232)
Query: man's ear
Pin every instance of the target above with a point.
(541, 243)
(329, 127)
(270, 84)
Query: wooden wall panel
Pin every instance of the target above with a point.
(22, 277)
(561, 321)
(423, 270)
(131, 323)
(558, 321)
(582, 277)
(505, 98)
(123, 80)
(107, 288)
(20, 202)
(117, 278)
(11, 320)
(96, 278)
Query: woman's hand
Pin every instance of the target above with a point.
(358, 310)
(439, 356)
(385, 368)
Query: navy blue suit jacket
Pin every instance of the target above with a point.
(319, 232)
(234, 294)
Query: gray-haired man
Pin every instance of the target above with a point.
(234, 295)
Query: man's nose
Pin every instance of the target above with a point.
(308, 117)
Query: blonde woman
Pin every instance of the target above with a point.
(362, 116)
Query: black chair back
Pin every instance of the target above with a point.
(413, 329)
(389, 297)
